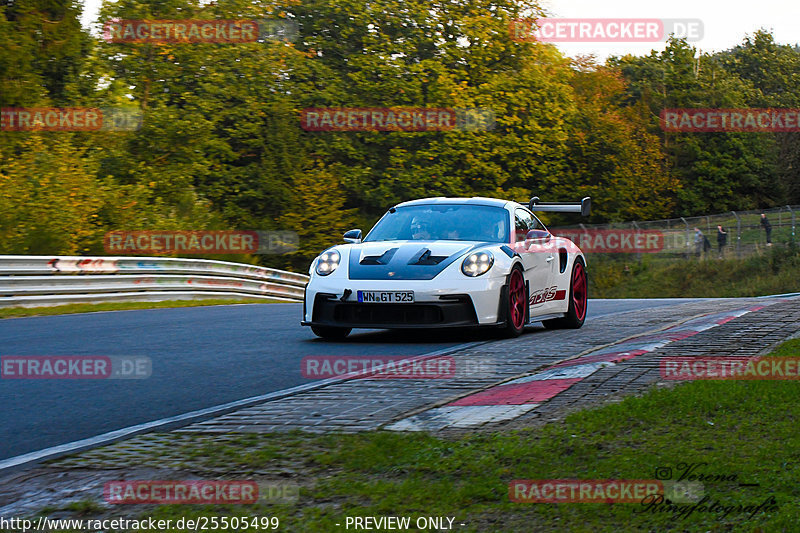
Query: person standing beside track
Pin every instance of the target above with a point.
(698, 242)
(767, 228)
(722, 240)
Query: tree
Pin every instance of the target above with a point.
(316, 213)
(716, 171)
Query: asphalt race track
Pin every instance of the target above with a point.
(201, 357)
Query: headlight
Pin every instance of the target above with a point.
(477, 264)
(328, 262)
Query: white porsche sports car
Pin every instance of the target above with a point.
(450, 262)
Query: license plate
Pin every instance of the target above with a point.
(386, 297)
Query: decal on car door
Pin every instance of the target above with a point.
(546, 295)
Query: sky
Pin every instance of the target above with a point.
(724, 23)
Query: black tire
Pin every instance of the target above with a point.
(573, 319)
(511, 329)
(331, 332)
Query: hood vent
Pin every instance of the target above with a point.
(406, 260)
(382, 259)
(424, 257)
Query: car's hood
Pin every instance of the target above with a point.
(406, 259)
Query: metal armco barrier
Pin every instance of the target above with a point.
(30, 280)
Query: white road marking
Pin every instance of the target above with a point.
(460, 416)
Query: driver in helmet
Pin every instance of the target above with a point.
(420, 229)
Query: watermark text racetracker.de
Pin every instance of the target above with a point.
(153, 242)
(583, 490)
(604, 30)
(75, 367)
(70, 119)
(606, 241)
(755, 120)
(198, 31)
(679, 498)
(397, 367)
(378, 367)
(199, 491)
(397, 119)
(730, 368)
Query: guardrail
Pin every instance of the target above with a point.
(30, 280)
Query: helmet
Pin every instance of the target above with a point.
(420, 228)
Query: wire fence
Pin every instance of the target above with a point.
(744, 234)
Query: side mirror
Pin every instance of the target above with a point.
(537, 236)
(353, 236)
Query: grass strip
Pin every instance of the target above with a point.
(69, 309)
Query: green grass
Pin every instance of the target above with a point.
(745, 431)
(775, 272)
(84, 507)
(68, 309)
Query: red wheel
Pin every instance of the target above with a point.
(579, 292)
(516, 299)
(514, 304)
(578, 295)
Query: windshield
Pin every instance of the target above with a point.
(451, 222)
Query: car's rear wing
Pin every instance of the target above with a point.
(583, 207)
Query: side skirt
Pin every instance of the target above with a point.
(539, 318)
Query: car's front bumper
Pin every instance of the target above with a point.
(472, 302)
(454, 311)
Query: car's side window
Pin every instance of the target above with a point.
(538, 224)
(523, 223)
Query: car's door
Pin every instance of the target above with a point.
(535, 246)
